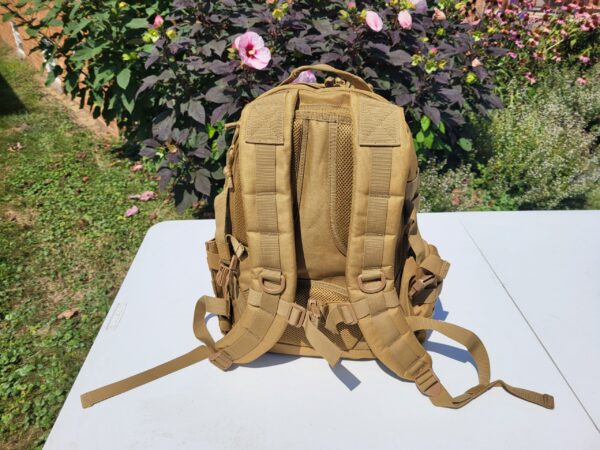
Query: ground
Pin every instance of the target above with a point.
(65, 246)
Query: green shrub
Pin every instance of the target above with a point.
(542, 151)
(97, 45)
(444, 189)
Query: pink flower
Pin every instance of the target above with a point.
(438, 15)
(513, 55)
(374, 21)
(405, 19)
(137, 167)
(252, 50)
(351, 5)
(581, 81)
(143, 197)
(132, 211)
(584, 59)
(476, 62)
(519, 44)
(420, 6)
(530, 78)
(584, 27)
(158, 21)
(556, 58)
(306, 76)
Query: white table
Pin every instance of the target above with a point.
(526, 283)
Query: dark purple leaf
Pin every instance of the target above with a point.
(219, 67)
(493, 101)
(180, 136)
(184, 198)
(151, 143)
(163, 124)
(147, 83)
(148, 152)
(152, 58)
(299, 45)
(452, 95)
(399, 57)
(218, 113)
(201, 153)
(202, 181)
(164, 175)
(432, 113)
(196, 111)
(215, 95)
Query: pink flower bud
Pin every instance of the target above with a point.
(158, 21)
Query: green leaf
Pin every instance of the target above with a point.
(128, 103)
(442, 127)
(123, 78)
(425, 122)
(420, 137)
(137, 23)
(428, 139)
(465, 144)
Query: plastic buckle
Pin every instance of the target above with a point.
(314, 313)
(371, 277)
(224, 273)
(296, 315)
(348, 314)
(419, 284)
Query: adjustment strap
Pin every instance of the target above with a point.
(435, 265)
(218, 358)
(298, 316)
(217, 305)
(429, 384)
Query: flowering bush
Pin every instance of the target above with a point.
(210, 59)
(563, 34)
(543, 151)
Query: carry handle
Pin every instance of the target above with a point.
(354, 80)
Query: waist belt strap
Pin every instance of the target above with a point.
(429, 384)
(207, 350)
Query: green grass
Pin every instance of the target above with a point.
(64, 243)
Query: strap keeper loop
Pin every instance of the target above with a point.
(221, 360)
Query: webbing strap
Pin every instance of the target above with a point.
(265, 161)
(266, 206)
(377, 206)
(298, 316)
(198, 354)
(429, 384)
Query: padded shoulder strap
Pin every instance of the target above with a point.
(265, 149)
(381, 148)
(371, 258)
(265, 152)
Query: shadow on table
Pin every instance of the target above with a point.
(349, 379)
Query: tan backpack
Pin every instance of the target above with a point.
(317, 250)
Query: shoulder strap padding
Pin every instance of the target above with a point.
(375, 225)
(265, 158)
